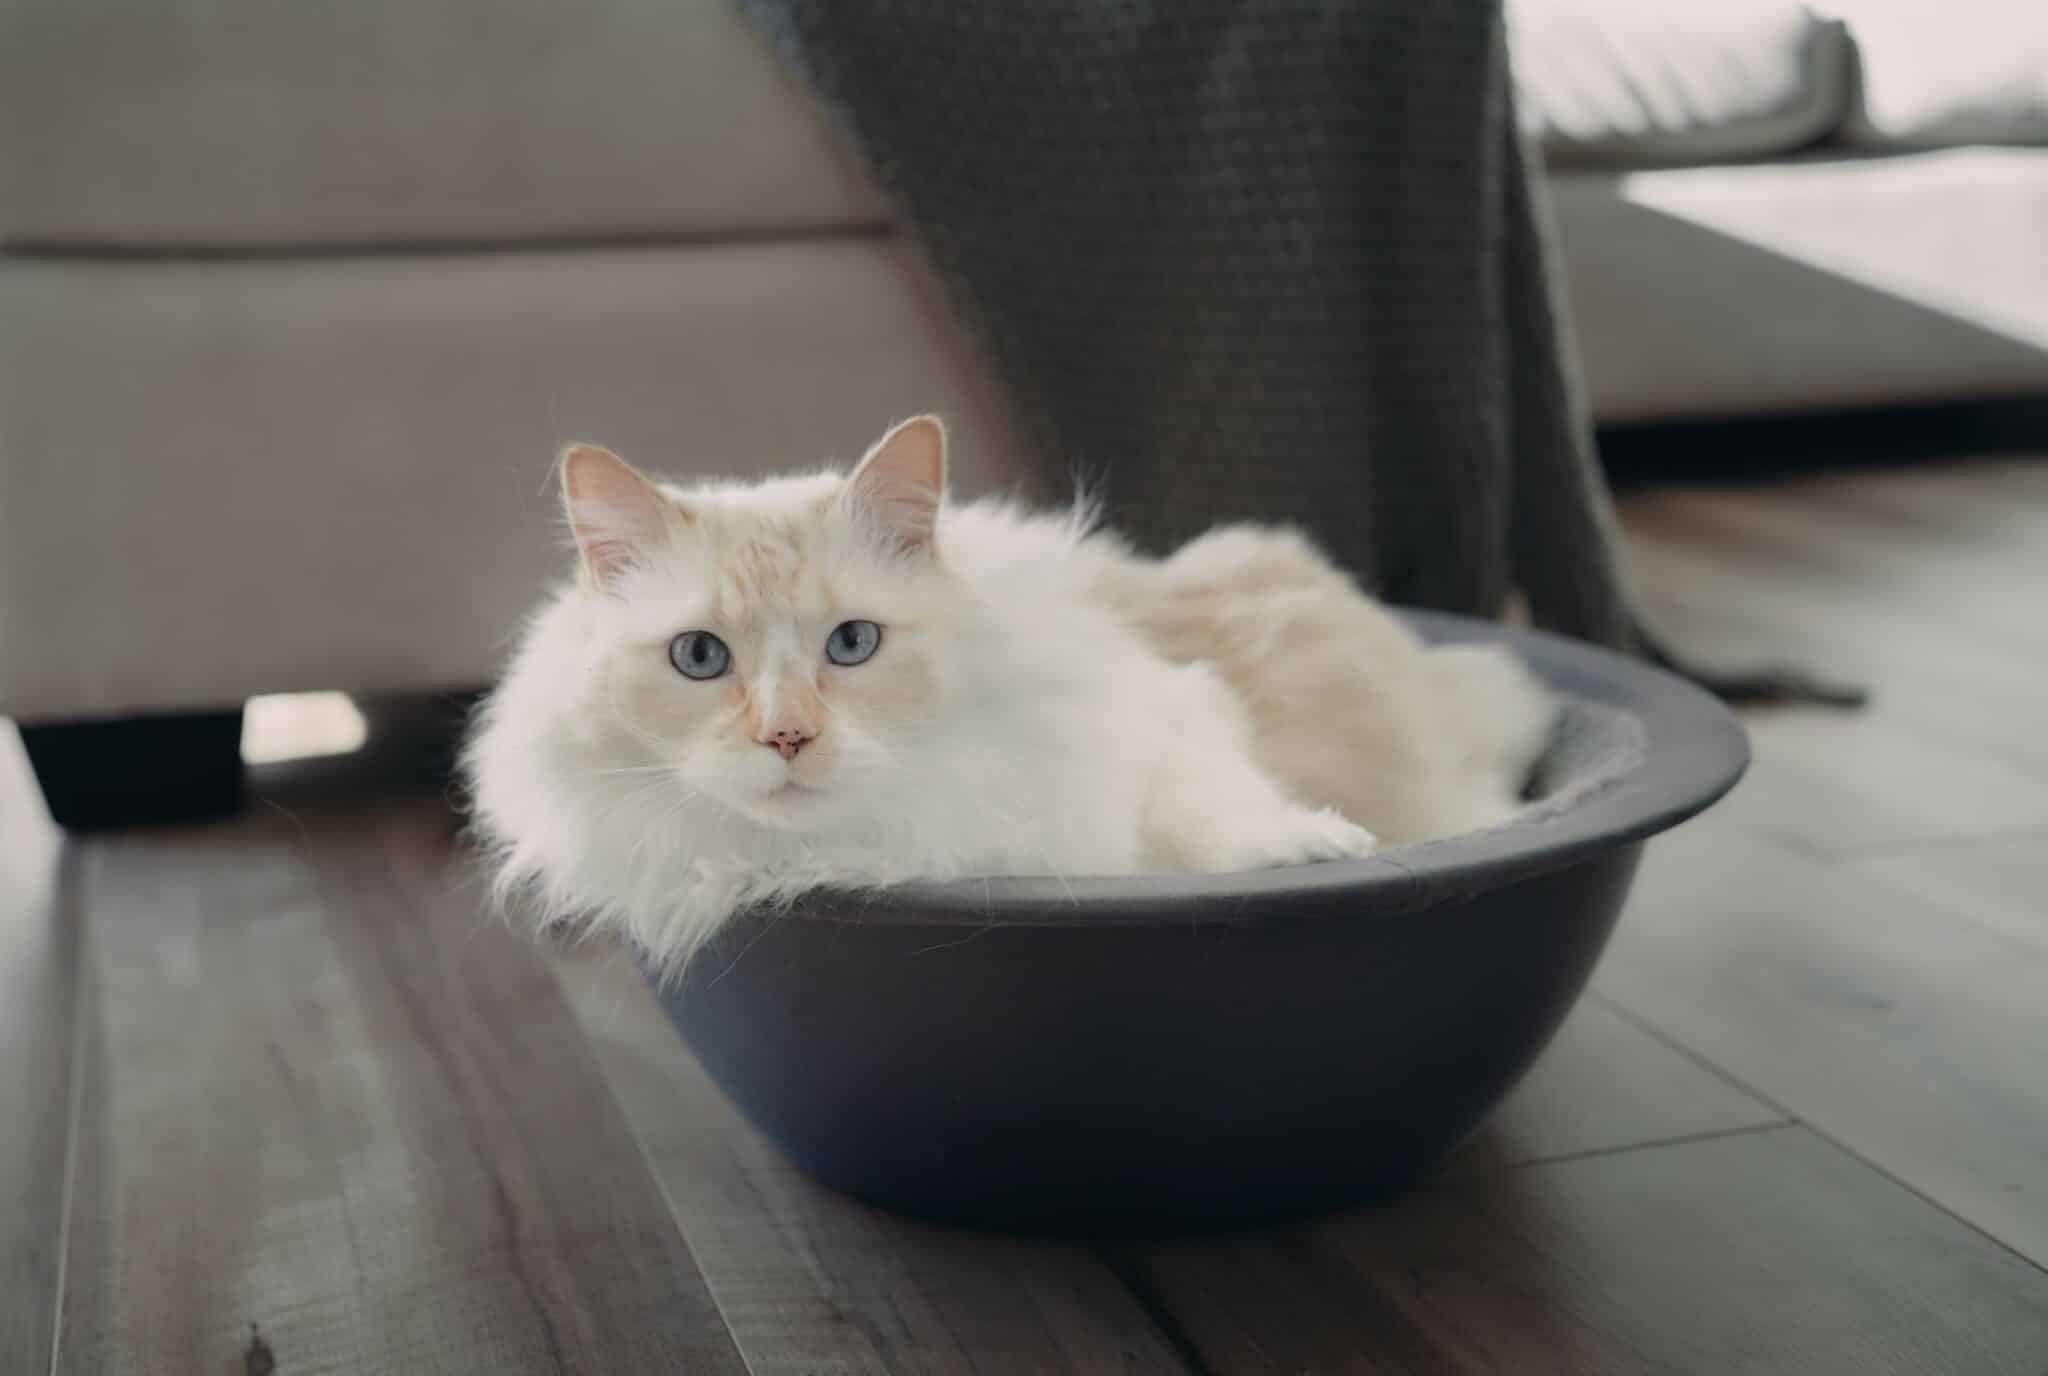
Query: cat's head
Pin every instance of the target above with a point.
(779, 649)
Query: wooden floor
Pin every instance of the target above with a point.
(274, 1093)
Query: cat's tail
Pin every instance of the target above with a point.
(1503, 716)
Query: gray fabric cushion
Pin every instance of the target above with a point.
(1961, 71)
(253, 122)
(1622, 82)
(1593, 745)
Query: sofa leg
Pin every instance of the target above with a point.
(136, 771)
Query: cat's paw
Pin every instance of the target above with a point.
(1301, 837)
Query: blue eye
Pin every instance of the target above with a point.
(853, 642)
(699, 654)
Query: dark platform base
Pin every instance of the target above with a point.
(138, 771)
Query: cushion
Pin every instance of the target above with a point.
(229, 123)
(1620, 82)
(1956, 71)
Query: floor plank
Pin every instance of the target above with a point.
(1915, 1039)
(322, 1096)
(1764, 592)
(1919, 546)
(1977, 698)
(813, 1282)
(319, 1092)
(1924, 561)
(1605, 1084)
(1951, 746)
(1759, 1252)
(2000, 882)
(1837, 785)
(38, 970)
(1964, 510)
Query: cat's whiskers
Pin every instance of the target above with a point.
(671, 805)
(624, 723)
(629, 769)
(651, 788)
(654, 825)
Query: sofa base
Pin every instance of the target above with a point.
(138, 771)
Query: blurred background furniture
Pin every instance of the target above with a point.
(1770, 207)
(297, 303)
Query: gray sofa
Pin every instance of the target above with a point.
(297, 302)
(1769, 207)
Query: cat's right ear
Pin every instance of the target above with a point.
(617, 512)
(899, 486)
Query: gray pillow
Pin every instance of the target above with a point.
(1949, 72)
(1621, 82)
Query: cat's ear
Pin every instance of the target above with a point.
(617, 512)
(899, 485)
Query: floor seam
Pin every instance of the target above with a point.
(676, 1213)
(1798, 1120)
(74, 1111)
(1650, 1029)
(1152, 1307)
(1681, 1140)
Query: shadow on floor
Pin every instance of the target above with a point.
(1747, 451)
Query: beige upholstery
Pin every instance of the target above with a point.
(247, 122)
(436, 241)
(225, 478)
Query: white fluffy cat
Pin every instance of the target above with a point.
(753, 690)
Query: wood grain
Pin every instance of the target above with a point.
(813, 1282)
(1979, 702)
(1762, 1252)
(1942, 548)
(2000, 882)
(1734, 592)
(1605, 1084)
(1838, 786)
(323, 1097)
(1918, 1041)
(1919, 553)
(319, 1091)
(1951, 747)
(38, 973)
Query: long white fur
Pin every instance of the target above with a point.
(1056, 704)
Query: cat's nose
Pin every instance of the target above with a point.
(788, 741)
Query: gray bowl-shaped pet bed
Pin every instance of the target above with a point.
(1193, 1051)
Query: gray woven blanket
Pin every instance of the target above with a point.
(1275, 260)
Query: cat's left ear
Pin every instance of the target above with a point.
(617, 512)
(901, 482)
